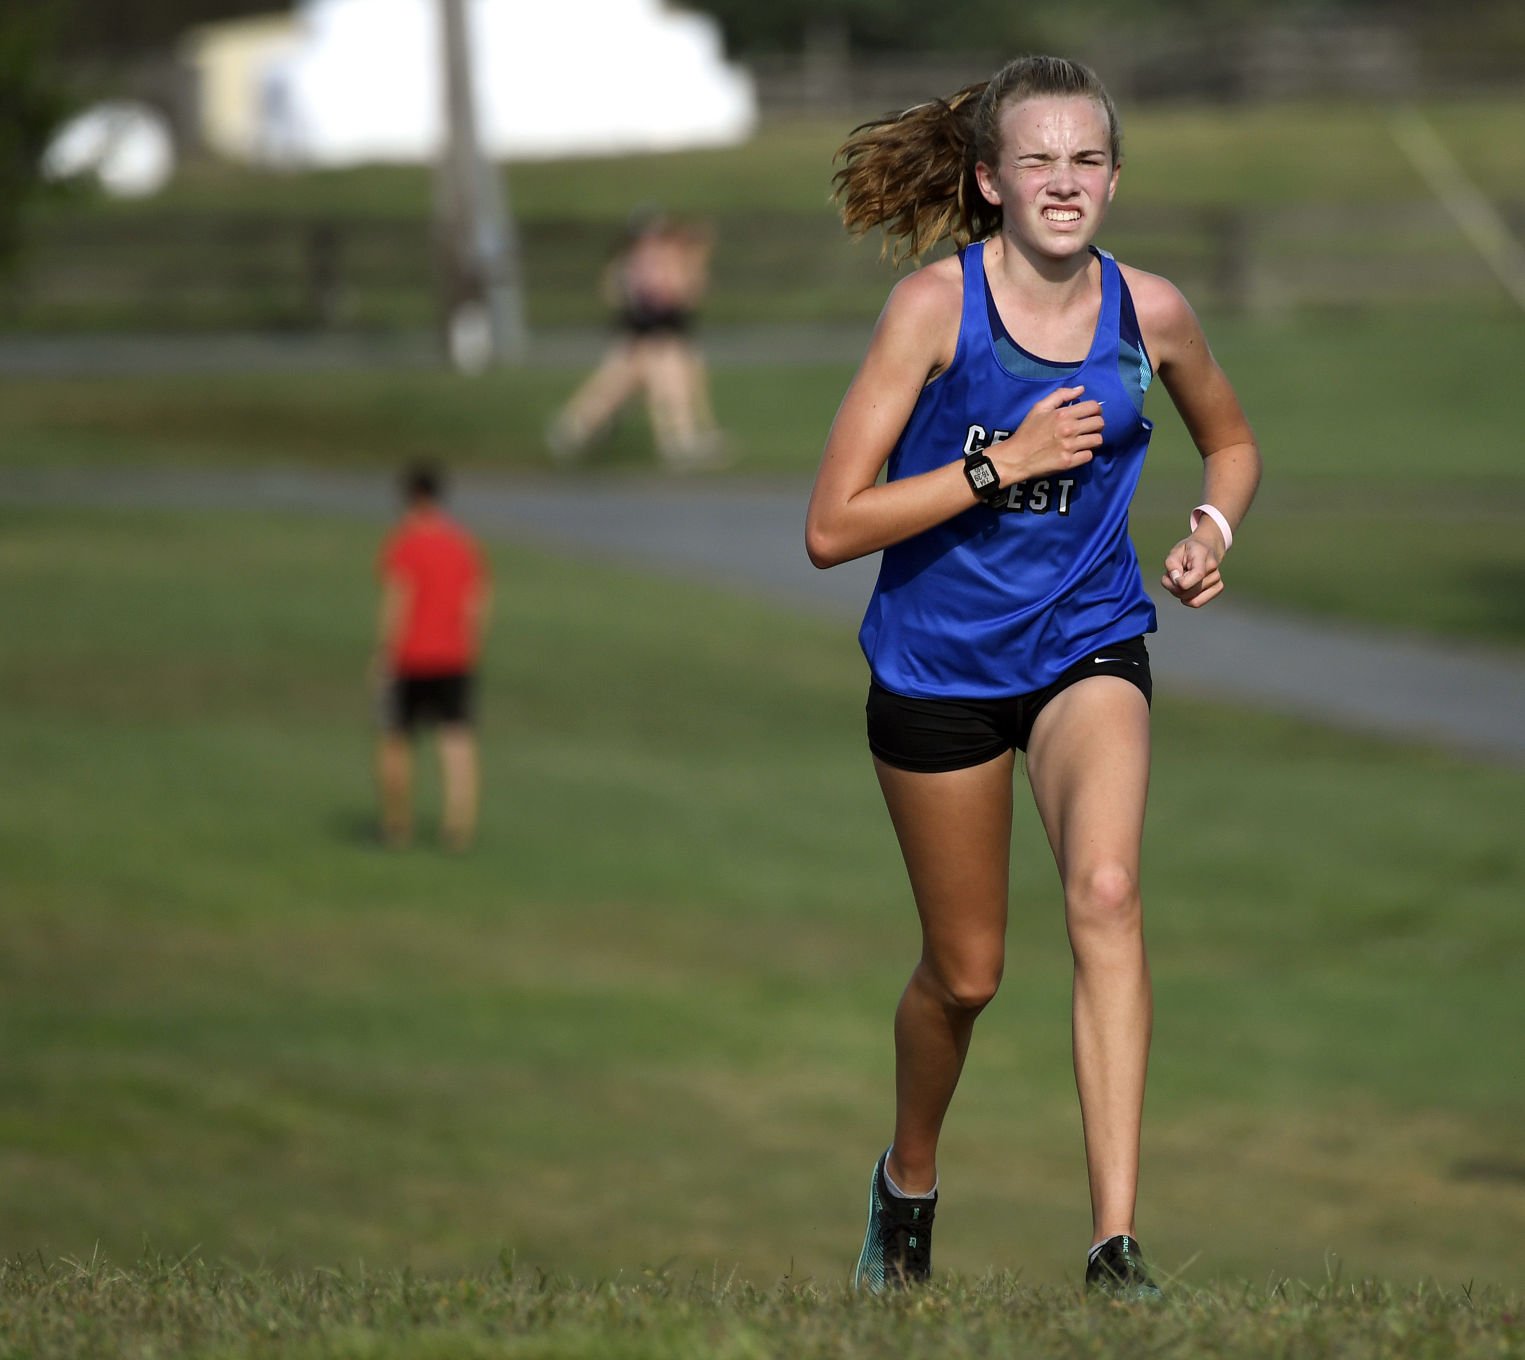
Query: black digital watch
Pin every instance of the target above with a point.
(983, 479)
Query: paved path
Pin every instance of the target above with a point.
(748, 536)
(578, 347)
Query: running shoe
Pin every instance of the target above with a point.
(897, 1248)
(1118, 1270)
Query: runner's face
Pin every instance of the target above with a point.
(1056, 177)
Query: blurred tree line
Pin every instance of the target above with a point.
(1000, 27)
(106, 30)
(128, 28)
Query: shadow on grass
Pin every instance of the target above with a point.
(355, 826)
(1500, 596)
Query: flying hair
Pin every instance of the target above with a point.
(911, 174)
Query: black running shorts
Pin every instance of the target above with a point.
(930, 736)
(413, 701)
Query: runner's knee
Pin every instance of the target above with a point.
(1103, 898)
(968, 983)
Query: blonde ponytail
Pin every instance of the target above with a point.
(912, 173)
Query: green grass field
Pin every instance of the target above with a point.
(191, 1309)
(1393, 494)
(1331, 209)
(646, 1024)
(1392, 491)
(611, 1085)
(1184, 155)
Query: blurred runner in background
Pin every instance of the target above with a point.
(654, 285)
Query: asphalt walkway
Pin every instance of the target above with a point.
(565, 347)
(748, 536)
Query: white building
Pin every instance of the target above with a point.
(341, 82)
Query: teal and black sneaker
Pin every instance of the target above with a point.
(897, 1248)
(1118, 1270)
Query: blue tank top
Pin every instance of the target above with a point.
(999, 602)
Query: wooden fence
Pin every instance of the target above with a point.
(237, 272)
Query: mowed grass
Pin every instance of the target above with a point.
(1329, 208)
(645, 1025)
(1392, 493)
(1183, 155)
(187, 1308)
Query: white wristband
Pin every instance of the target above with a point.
(1217, 517)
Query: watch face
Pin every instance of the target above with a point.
(982, 475)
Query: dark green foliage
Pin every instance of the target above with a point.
(107, 31)
(32, 104)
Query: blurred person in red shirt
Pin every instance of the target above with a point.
(434, 604)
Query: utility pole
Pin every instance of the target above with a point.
(482, 293)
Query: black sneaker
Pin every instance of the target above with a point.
(897, 1248)
(1118, 1270)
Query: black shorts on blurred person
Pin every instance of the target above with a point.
(414, 701)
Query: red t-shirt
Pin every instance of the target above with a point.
(442, 574)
